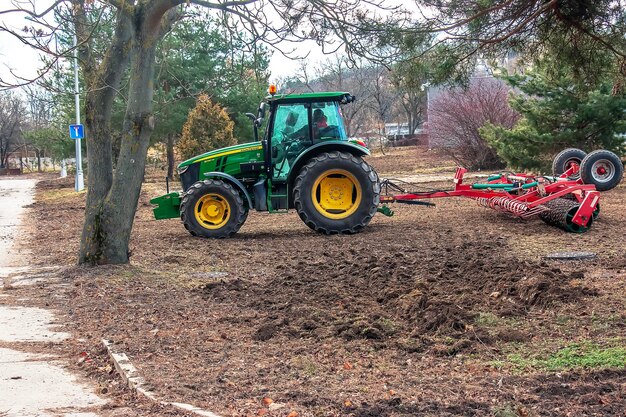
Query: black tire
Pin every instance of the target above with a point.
(227, 204)
(360, 212)
(565, 158)
(603, 169)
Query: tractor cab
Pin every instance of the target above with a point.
(299, 126)
(297, 123)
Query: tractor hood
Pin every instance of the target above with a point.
(243, 147)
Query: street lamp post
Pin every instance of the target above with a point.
(79, 183)
(63, 173)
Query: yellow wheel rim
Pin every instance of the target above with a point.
(336, 194)
(212, 211)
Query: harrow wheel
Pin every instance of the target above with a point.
(595, 213)
(561, 214)
(213, 209)
(566, 159)
(336, 192)
(603, 169)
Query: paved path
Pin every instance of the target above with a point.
(31, 385)
(14, 195)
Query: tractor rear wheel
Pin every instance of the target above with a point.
(336, 192)
(213, 209)
(603, 169)
(565, 159)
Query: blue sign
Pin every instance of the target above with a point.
(77, 131)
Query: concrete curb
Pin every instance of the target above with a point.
(135, 381)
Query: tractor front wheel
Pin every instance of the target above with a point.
(336, 192)
(213, 209)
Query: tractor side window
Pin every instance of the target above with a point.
(328, 122)
(291, 127)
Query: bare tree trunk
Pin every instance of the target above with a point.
(106, 233)
(99, 158)
(103, 81)
(170, 155)
(121, 202)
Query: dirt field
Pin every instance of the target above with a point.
(446, 311)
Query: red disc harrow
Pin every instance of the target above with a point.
(564, 201)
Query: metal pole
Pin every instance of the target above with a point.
(79, 183)
(63, 164)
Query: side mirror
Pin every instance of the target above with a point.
(256, 122)
(348, 99)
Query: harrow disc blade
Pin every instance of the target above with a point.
(561, 213)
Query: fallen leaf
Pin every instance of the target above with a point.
(347, 365)
(292, 414)
(267, 401)
(262, 412)
(347, 403)
(276, 406)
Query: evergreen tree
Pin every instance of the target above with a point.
(199, 55)
(208, 127)
(557, 113)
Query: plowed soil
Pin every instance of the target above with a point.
(445, 311)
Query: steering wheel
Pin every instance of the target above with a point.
(329, 131)
(281, 150)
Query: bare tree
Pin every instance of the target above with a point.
(383, 100)
(339, 74)
(12, 119)
(456, 115)
(408, 80)
(40, 113)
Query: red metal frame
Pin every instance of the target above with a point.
(524, 202)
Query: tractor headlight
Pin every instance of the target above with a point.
(182, 170)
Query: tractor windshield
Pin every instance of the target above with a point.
(328, 122)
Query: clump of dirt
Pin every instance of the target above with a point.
(266, 332)
(56, 183)
(444, 316)
(542, 291)
(512, 335)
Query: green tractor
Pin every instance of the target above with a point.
(304, 161)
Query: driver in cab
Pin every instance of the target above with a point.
(320, 124)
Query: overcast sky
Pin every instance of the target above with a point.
(24, 60)
(14, 55)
